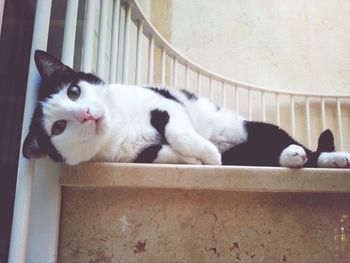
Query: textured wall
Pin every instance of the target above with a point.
(293, 45)
(140, 225)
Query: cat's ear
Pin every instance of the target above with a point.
(326, 142)
(48, 64)
(31, 148)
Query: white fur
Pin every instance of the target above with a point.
(195, 132)
(168, 155)
(293, 156)
(334, 160)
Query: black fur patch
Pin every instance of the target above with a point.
(189, 95)
(149, 154)
(164, 92)
(61, 79)
(263, 147)
(326, 142)
(159, 119)
(43, 139)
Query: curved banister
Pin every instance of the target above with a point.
(137, 16)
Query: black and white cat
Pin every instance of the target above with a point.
(79, 118)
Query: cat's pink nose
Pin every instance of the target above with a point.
(86, 117)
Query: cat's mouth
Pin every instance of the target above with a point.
(99, 123)
(96, 123)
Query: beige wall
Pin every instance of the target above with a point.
(293, 45)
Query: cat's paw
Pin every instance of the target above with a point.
(293, 156)
(211, 155)
(334, 160)
(191, 160)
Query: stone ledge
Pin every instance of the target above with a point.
(232, 178)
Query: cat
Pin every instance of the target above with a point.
(80, 118)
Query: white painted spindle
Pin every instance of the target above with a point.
(26, 168)
(199, 83)
(102, 37)
(88, 36)
(211, 90)
(250, 107)
(278, 113)
(126, 54)
(292, 114)
(70, 26)
(223, 92)
(236, 100)
(114, 42)
(187, 77)
(162, 67)
(174, 72)
(150, 60)
(323, 114)
(340, 124)
(138, 53)
(308, 121)
(263, 106)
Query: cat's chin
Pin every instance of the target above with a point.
(101, 125)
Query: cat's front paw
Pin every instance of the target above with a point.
(211, 156)
(191, 160)
(334, 160)
(293, 156)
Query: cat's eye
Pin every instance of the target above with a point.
(58, 127)
(73, 92)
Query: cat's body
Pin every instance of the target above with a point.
(80, 118)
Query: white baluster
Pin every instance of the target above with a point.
(174, 72)
(162, 67)
(308, 121)
(278, 113)
(88, 36)
(187, 77)
(211, 90)
(292, 113)
(102, 37)
(114, 42)
(236, 100)
(263, 106)
(224, 99)
(139, 53)
(250, 108)
(199, 84)
(70, 26)
(340, 124)
(150, 60)
(323, 114)
(126, 54)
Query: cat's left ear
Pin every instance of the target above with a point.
(48, 64)
(31, 148)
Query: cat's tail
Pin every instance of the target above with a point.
(326, 142)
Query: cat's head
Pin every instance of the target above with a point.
(70, 116)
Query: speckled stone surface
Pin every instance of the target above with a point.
(100, 225)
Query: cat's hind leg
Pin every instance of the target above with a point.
(168, 155)
(293, 156)
(334, 160)
(177, 130)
